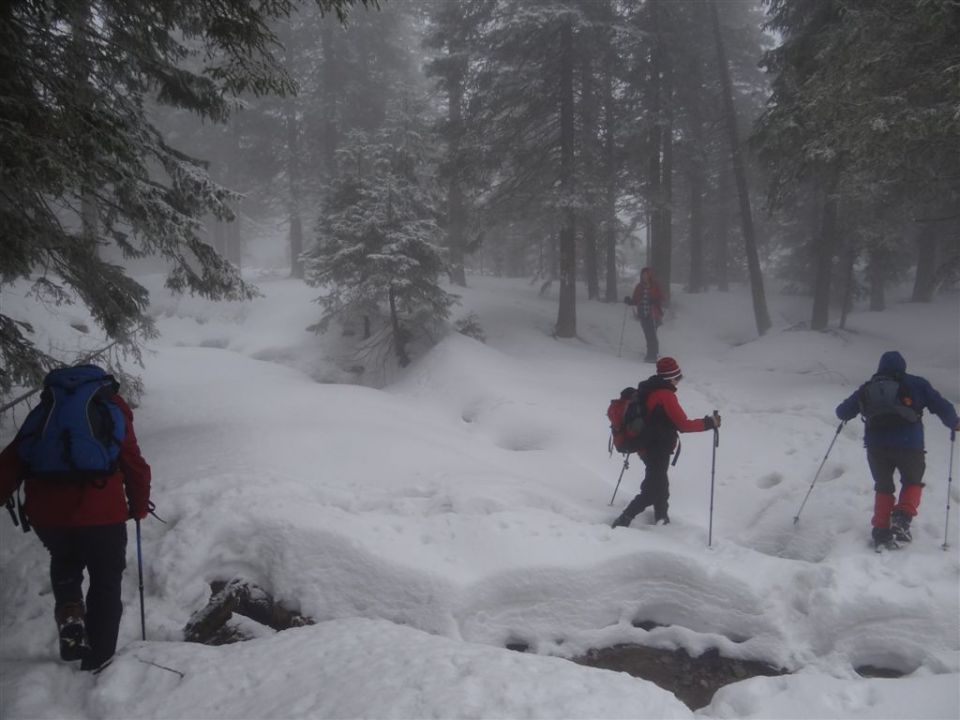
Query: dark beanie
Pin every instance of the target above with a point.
(668, 369)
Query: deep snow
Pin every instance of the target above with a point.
(465, 505)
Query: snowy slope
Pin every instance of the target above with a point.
(465, 506)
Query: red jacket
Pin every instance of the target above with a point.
(126, 493)
(664, 435)
(667, 399)
(654, 299)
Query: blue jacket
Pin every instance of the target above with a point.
(920, 391)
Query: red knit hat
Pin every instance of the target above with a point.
(668, 369)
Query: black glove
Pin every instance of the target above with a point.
(628, 300)
(711, 422)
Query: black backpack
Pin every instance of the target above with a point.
(885, 402)
(628, 419)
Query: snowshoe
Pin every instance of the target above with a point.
(883, 539)
(900, 527)
(73, 640)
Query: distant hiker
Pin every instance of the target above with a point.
(892, 403)
(84, 477)
(647, 301)
(664, 419)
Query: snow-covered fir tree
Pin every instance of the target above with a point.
(378, 252)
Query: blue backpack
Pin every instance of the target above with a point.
(76, 431)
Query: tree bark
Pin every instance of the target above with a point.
(660, 142)
(877, 272)
(610, 222)
(925, 280)
(567, 311)
(456, 211)
(588, 131)
(761, 314)
(824, 250)
(293, 190)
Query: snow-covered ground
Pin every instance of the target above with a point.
(466, 505)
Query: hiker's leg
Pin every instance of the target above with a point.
(636, 506)
(659, 483)
(912, 464)
(106, 556)
(66, 565)
(882, 467)
(649, 326)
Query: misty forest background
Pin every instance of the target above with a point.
(812, 146)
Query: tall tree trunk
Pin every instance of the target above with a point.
(588, 132)
(925, 280)
(610, 221)
(293, 190)
(567, 311)
(456, 211)
(760, 312)
(659, 142)
(849, 260)
(825, 247)
(877, 271)
(328, 94)
(697, 179)
(399, 334)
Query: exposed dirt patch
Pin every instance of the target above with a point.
(693, 680)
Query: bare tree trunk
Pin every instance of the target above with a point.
(824, 249)
(399, 334)
(659, 144)
(925, 280)
(610, 172)
(567, 311)
(847, 265)
(588, 131)
(293, 190)
(456, 210)
(877, 271)
(761, 314)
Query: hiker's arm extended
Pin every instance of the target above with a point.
(848, 409)
(678, 417)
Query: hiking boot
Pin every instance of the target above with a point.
(900, 526)
(883, 539)
(621, 521)
(73, 633)
(665, 520)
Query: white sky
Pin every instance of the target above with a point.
(466, 504)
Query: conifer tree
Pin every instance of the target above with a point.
(378, 252)
(86, 176)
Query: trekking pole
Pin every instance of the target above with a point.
(796, 519)
(626, 464)
(946, 525)
(623, 326)
(143, 615)
(713, 472)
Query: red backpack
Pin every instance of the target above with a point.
(627, 415)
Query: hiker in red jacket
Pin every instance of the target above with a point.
(665, 418)
(647, 301)
(82, 523)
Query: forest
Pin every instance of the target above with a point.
(395, 147)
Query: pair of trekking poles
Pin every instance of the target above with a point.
(796, 519)
(946, 526)
(713, 473)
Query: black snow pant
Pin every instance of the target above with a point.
(655, 488)
(649, 326)
(101, 550)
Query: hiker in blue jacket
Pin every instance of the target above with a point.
(896, 443)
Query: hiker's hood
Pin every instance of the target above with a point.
(892, 363)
